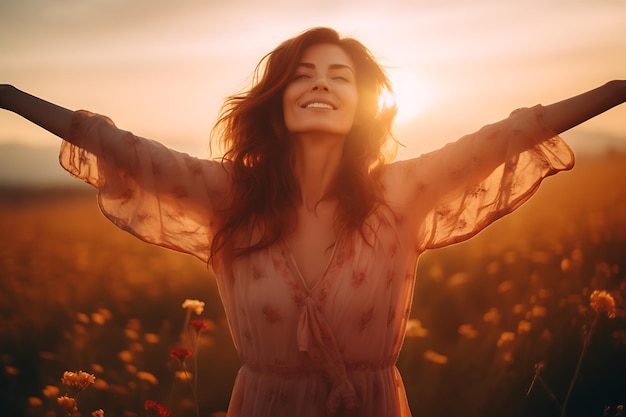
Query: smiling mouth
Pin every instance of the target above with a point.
(318, 105)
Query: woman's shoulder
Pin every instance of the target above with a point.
(409, 185)
(397, 179)
(401, 174)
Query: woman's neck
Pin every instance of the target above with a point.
(316, 160)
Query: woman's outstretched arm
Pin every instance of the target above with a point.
(466, 185)
(566, 114)
(53, 118)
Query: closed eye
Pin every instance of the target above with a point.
(342, 74)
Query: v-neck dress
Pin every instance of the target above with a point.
(329, 349)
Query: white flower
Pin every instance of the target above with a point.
(196, 306)
(414, 329)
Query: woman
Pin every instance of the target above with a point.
(313, 237)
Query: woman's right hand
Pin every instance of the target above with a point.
(4, 90)
(53, 118)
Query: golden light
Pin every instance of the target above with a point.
(412, 94)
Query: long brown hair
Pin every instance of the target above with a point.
(251, 129)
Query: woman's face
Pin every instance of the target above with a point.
(322, 96)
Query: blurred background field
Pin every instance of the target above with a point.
(76, 293)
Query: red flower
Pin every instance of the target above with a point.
(198, 325)
(155, 409)
(180, 354)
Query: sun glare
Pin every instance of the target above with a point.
(411, 94)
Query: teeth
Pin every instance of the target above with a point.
(317, 105)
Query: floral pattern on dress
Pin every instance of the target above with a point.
(329, 350)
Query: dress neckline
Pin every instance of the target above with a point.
(319, 279)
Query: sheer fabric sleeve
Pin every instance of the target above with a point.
(161, 196)
(463, 187)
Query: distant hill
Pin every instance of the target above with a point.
(29, 166)
(36, 166)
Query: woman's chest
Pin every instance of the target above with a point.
(311, 243)
(355, 271)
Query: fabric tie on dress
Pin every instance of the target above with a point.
(315, 337)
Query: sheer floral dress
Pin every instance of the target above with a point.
(329, 349)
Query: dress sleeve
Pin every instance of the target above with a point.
(470, 183)
(161, 196)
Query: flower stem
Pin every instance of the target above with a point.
(539, 378)
(578, 365)
(550, 393)
(195, 373)
(193, 388)
(186, 326)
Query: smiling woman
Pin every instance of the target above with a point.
(313, 235)
(322, 98)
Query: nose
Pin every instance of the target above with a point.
(321, 84)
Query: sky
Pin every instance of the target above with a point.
(162, 68)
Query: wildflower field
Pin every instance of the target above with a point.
(523, 319)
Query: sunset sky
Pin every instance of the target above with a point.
(161, 68)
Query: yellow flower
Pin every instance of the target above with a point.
(131, 334)
(35, 401)
(105, 313)
(492, 316)
(538, 311)
(506, 338)
(80, 379)
(523, 326)
(147, 377)
(98, 318)
(97, 368)
(468, 331)
(196, 306)
(101, 384)
(566, 264)
(50, 391)
(11, 370)
(83, 318)
(151, 338)
(125, 356)
(602, 301)
(67, 402)
(505, 286)
(438, 358)
(184, 376)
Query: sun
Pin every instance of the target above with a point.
(411, 94)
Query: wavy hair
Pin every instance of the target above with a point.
(252, 131)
